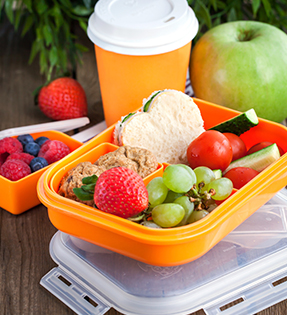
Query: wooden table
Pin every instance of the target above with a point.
(24, 239)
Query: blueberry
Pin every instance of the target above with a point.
(32, 148)
(41, 140)
(24, 139)
(37, 163)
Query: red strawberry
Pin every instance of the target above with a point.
(121, 191)
(63, 98)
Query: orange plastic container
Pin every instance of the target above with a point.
(164, 247)
(140, 74)
(140, 47)
(21, 195)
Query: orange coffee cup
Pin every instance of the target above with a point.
(141, 46)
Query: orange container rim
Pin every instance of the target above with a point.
(160, 236)
(157, 236)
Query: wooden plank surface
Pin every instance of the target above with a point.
(24, 239)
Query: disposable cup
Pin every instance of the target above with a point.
(141, 46)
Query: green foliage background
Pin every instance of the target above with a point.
(52, 22)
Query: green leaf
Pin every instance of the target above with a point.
(255, 6)
(81, 47)
(83, 195)
(48, 34)
(267, 7)
(29, 21)
(28, 4)
(232, 15)
(34, 50)
(56, 13)
(89, 188)
(214, 4)
(41, 6)
(90, 179)
(66, 3)
(81, 10)
(203, 12)
(53, 56)
(8, 4)
(83, 25)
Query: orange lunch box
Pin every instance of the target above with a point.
(21, 195)
(173, 246)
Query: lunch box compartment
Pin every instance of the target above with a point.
(174, 246)
(21, 195)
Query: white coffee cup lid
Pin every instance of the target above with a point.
(142, 27)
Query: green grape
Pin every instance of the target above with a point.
(171, 196)
(168, 214)
(188, 207)
(179, 178)
(197, 215)
(203, 174)
(217, 173)
(157, 191)
(223, 187)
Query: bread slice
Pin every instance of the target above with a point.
(171, 122)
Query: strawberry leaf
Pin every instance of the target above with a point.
(90, 180)
(86, 192)
(83, 195)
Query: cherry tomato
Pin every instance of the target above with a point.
(237, 144)
(211, 149)
(262, 145)
(240, 176)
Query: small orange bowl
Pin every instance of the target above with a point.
(21, 195)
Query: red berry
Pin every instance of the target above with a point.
(25, 157)
(53, 150)
(63, 98)
(121, 191)
(8, 146)
(15, 169)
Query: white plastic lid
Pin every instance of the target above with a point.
(142, 27)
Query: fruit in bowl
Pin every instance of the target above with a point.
(23, 155)
(20, 170)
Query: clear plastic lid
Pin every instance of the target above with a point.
(249, 264)
(142, 27)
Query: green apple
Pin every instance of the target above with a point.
(242, 65)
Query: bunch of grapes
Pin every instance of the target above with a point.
(183, 195)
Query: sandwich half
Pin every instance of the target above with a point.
(166, 124)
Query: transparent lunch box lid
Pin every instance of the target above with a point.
(244, 273)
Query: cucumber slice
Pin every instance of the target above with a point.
(258, 160)
(239, 124)
(217, 173)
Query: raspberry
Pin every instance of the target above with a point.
(8, 146)
(14, 169)
(25, 157)
(53, 150)
(2, 158)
